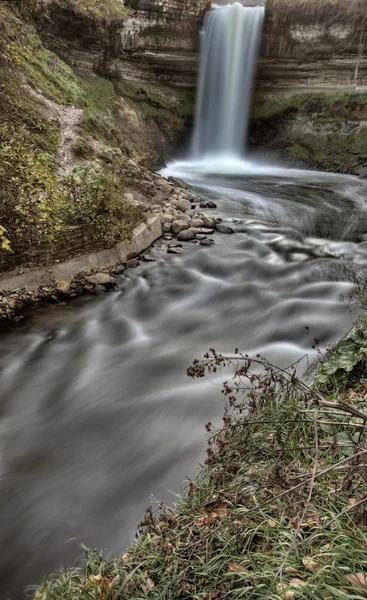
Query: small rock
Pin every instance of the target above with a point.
(15, 304)
(224, 229)
(174, 245)
(167, 236)
(211, 205)
(101, 279)
(99, 289)
(167, 227)
(167, 218)
(207, 242)
(178, 226)
(218, 220)
(200, 237)
(148, 258)
(186, 236)
(133, 263)
(62, 286)
(174, 250)
(120, 269)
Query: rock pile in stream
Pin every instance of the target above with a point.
(182, 218)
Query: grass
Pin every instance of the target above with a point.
(108, 12)
(277, 512)
(335, 106)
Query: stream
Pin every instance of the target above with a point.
(97, 414)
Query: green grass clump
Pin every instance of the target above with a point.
(48, 72)
(323, 105)
(278, 511)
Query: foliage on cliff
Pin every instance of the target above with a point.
(278, 512)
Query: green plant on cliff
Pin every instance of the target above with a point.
(107, 12)
(95, 196)
(30, 194)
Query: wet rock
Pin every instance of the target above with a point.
(204, 204)
(197, 223)
(178, 182)
(167, 236)
(148, 258)
(120, 269)
(178, 226)
(99, 289)
(218, 220)
(200, 237)
(132, 263)
(174, 245)
(209, 222)
(207, 242)
(174, 250)
(186, 236)
(201, 230)
(182, 204)
(224, 229)
(101, 279)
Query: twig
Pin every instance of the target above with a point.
(346, 510)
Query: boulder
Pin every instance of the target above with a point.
(182, 204)
(101, 279)
(186, 236)
(197, 223)
(132, 263)
(224, 229)
(209, 222)
(178, 226)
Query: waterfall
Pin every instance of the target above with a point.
(229, 49)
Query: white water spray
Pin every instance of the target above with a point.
(229, 50)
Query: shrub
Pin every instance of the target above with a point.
(95, 197)
(30, 194)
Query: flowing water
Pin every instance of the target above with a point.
(96, 411)
(229, 48)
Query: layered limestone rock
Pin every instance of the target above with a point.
(311, 85)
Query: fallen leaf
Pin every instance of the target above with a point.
(235, 567)
(310, 564)
(284, 592)
(272, 523)
(293, 571)
(221, 510)
(125, 556)
(352, 501)
(362, 544)
(297, 583)
(358, 579)
(97, 577)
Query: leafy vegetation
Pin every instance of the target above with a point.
(94, 196)
(278, 511)
(109, 12)
(345, 361)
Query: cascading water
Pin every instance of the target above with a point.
(229, 50)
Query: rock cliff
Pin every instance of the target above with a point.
(311, 89)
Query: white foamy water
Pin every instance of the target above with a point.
(229, 48)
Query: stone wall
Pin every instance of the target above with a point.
(69, 242)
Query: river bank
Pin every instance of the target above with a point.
(278, 510)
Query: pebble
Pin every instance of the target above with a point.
(133, 263)
(120, 269)
(207, 242)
